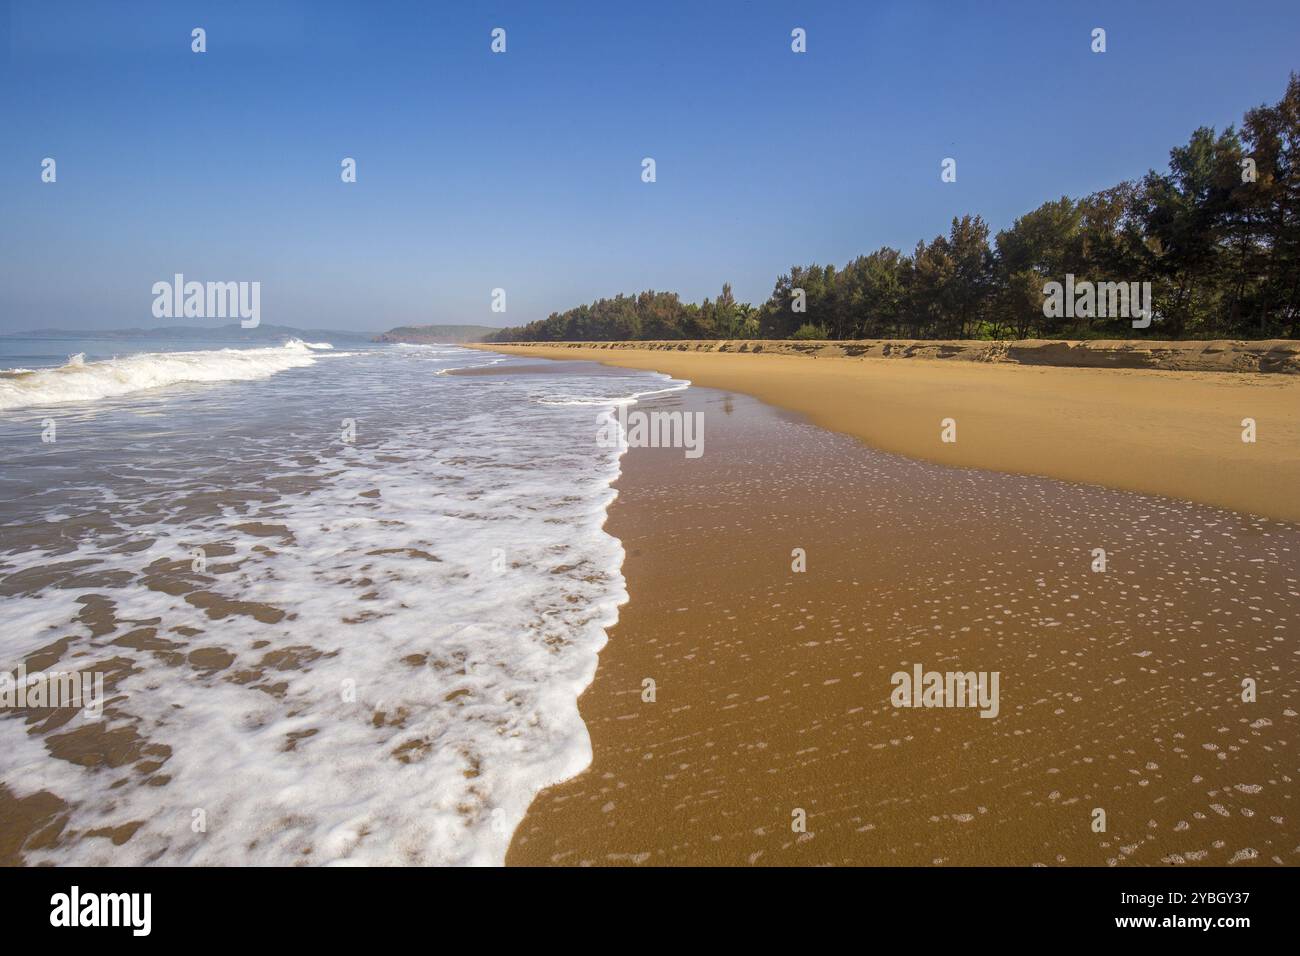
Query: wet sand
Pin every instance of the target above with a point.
(1175, 433)
(1119, 690)
(40, 820)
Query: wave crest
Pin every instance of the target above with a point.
(82, 381)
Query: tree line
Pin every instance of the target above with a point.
(1217, 234)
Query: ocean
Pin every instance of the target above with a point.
(343, 600)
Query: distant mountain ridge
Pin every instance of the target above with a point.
(426, 334)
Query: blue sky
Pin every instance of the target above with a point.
(523, 170)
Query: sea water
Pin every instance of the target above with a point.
(344, 599)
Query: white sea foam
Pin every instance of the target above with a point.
(82, 381)
(461, 368)
(450, 568)
(615, 400)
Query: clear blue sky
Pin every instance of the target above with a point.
(522, 170)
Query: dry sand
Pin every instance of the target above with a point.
(1171, 433)
(1119, 691)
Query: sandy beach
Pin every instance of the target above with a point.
(1174, 433)
(1120, 691)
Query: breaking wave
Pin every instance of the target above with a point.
(82, 381)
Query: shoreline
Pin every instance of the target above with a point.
(772, 688)
(1266, 356)
(1273, 356)
(1163, 432)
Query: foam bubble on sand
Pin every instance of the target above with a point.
(82, 381)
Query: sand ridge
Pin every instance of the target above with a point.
(1200, 355)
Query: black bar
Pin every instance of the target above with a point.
(918, 906)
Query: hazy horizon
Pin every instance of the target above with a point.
(522, 170)
(216, 326)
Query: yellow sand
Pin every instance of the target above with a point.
(1158, 432)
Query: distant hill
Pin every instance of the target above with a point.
(424, 334)
(220, 333)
